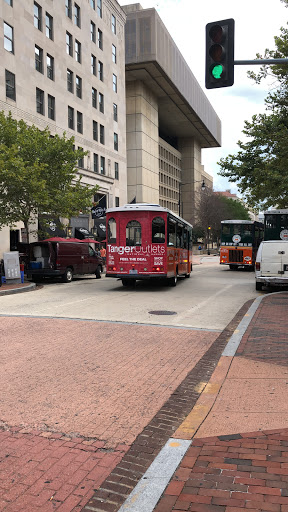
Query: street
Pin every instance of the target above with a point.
(87, 366)
(208, 300)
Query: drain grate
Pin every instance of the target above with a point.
(162, 312)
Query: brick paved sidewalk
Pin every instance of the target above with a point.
(246, 470)
(231, 473)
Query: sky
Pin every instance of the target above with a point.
(256, 24)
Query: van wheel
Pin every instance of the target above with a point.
(98, 272)
(68, 276)
(259, 286)
(36, 279)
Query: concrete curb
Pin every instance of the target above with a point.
(23, 289)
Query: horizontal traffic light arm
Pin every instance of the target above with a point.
(260, 62)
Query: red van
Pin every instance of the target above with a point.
(63, 259)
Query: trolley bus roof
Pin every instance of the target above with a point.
(146, 207)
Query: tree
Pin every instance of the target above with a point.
(260, 168)
(38, 175)
(212, 208)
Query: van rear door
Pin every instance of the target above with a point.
(274, 259)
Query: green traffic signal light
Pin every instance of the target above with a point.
(217, 71)
(219, 66)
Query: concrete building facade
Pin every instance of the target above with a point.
(63, 67)
(169, 118)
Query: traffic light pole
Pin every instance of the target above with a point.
(260, 62)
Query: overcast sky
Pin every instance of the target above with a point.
(256, 24)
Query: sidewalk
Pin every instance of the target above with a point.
(231, 451)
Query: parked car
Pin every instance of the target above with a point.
(63, 259)
(271, 267)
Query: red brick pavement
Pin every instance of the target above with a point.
(231, 473)
(41, 471)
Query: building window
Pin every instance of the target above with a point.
(37, 16)
(116, 168)
(78, 51)
(117, 202)
(101, 102)
(9, 2)
(78, 82)
(39, 101)
(93, 65)
(115, 112)
(79, 122)
(71, 118)
(99, 8)
(68, 8)
(93, 31)
(94, 97)
(8, 38)
(113, 23)
(81, 160)
(77, 19)
(95, 163)
(51, 107)
(93, 5)
(38, 59)
(102, 165)
(95, 130)
(114, 53)
(102, 134)
(100, 70)
(100, 39)
(69, 44)
(114, 83)
(49, 26)
(69, 80)
(10, 85)
(116, 141)
(50, 66)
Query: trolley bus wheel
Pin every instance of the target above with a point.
(187, 275)
(125, 282)
(129, 282)
(233, 267)
(173, 281)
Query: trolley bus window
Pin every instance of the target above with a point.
(171, 233)
(185, 238)
(225, 229)
(133, 233)
(179, 235)
(283, 221)
(158, 230)
(112, 231)
(190, 239)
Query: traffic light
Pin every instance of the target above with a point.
(219, 54)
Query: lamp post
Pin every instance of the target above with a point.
(180, 206)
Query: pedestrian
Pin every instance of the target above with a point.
(103, 254)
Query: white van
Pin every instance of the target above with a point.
(271, 267)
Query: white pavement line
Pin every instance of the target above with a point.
(203, 303)
(234, 341)
(150, 488)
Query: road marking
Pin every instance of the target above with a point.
(204, 302)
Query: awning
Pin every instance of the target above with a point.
(49, 227)
(100, 224)
(82, 233)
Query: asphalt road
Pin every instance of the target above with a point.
(208, 300)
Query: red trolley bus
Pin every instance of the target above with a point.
(147, 241)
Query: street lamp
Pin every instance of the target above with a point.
(203, 187)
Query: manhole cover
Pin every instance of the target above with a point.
(162, 312)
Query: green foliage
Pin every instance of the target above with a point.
(234, 209)
(38, 174)
(260, 168)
